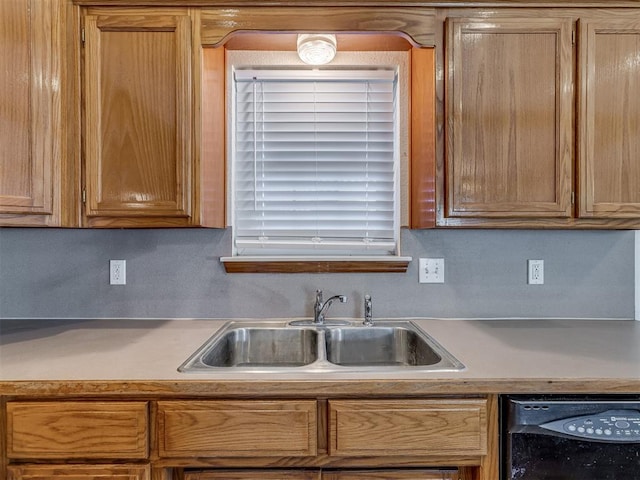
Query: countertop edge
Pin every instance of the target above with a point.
(311, 388)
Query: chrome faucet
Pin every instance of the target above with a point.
(368, 311)
(320, 307)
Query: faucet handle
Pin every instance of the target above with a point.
(318, 297)
(368, 311)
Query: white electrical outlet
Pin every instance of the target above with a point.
(535, 269)
(117, 272)
(431, 270)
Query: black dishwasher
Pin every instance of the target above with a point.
(553, 437)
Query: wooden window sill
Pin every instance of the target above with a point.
(307, 264)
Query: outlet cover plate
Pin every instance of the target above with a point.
(117, 272)
(431, 270)
(535, 272)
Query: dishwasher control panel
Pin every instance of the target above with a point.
(610, 426)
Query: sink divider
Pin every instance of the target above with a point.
(322, 346)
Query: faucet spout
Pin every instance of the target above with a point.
(321, 307)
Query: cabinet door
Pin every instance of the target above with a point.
(79, 472)
(245, 428)
(30, 112)
(373, 474)
(609, 133)
(386, 428)
(138, 120)
(509, 117)
(80, 430)
(253, 475)
(397, 474)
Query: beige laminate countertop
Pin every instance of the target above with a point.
(139, 357)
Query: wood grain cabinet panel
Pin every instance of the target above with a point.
(77, 430)
(417, 24)
(407, 427)
(31, 127)
(386, 474)
(257, 474)
(609, 133)
(509, 117)
(138, 122)
(78, 472)
(281, 428)
(377, 474)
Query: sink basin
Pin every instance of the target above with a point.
(257, 347)
(379, 346)
(278, 347)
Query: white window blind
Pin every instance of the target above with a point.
(315, 162)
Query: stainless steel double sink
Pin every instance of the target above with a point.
(277, 346)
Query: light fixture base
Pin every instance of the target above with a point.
(317, 48)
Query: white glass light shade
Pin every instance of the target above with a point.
(316, 48)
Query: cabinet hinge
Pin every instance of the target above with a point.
(84, 195)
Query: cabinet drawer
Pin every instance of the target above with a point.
(64, 430)
(237, 428)
(78, 472)
(408, 427)
(396, 474)
(253, 474)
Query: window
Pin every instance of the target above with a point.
(315, 162)
(374, 248)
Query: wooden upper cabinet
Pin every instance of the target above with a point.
(31, 130)
(138, 119)
(609, 133)
(509, 118)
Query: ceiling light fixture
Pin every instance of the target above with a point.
(317, 48)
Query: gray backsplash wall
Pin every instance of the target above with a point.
(176, 273)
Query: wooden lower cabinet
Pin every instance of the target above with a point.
(253, 474)
(334, 439)
(410, 474)
(79, 472)
(77, 430)
(391, 428)
(86, 435)
(441, 438)
(246, 428)
(377, 474)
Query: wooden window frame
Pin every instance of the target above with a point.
(409, 29)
